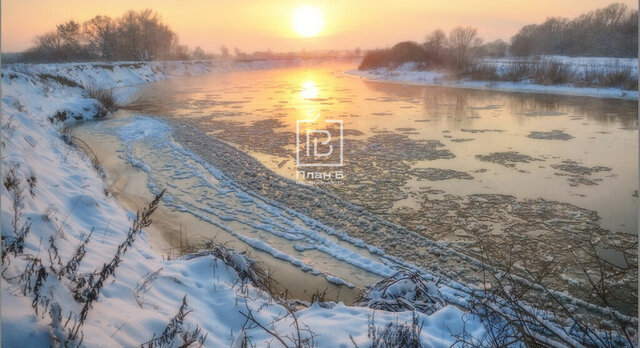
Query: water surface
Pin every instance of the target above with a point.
(541, 175)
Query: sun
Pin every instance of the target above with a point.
(307, 21)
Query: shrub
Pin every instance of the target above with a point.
(403, 291)
(15, 243)
(516, 72)
(88, 287)
(105, 97)
(374, 59)
(176, 333)
(247, 268)
(394, 334)
(482, 72)
(552, 73)
(59, 79)
(618, 77)
(403, 52)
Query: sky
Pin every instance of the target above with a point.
(258, 25)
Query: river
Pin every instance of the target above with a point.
(411, 170)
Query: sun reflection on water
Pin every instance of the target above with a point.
(309, 90)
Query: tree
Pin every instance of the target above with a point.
(129, 37)
(463, 43)
(69, 34)
(50, 44)
(497, 48)
(142, 36)
(224, 52)
(180, 52)
(239, 54)
(100, 33)
(198, 53)
(435, 46)
(436, 40)
(608, 32)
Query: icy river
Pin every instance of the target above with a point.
(427, 175)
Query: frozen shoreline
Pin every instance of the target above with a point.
(408, 74)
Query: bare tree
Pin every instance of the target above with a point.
(239, 53)
(157, 39)
(71, 37)
(142, 36)
(608, 32)
(136, 35)
(199, 53)
(100, 34)
(437, 39)
(224, 52)
(463, 43)
(50, 44)
(497, 48)
(129, 37)
(435, 46)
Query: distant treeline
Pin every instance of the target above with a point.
(608, 32)
(455, 52)
(136, 35)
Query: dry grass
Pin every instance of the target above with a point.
(59, 79)
(105, 97)
(248, 269)
(549, 73)
(406, 290)
(483, 72)
(552, 73)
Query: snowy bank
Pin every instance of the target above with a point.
(408, 74)
(61, 232)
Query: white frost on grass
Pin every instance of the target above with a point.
(69, 202)
(408, 74)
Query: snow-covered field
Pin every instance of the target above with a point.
(407, 73)
(60, 199)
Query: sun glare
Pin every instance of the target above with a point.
(309, 90)
(307, 21)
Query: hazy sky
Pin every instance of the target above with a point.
(260, 24)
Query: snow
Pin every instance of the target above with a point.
(72, 191)
(202, 191)
(408, 74)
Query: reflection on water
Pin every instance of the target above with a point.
(309, 90)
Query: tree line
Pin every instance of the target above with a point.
(141, 36)
(455, 52)
(607, 32)
(136, 35)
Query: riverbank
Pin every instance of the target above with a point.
(409, 74)
(55, 202)
(178, 228)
